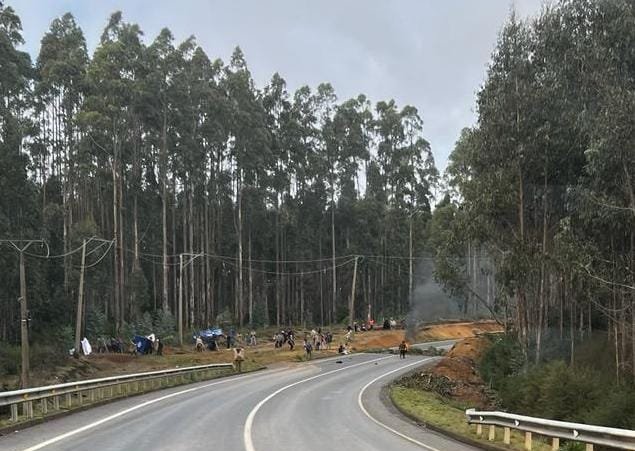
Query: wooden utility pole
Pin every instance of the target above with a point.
(80, 302)
(351, 304)
(21, 246)
(24, 325)
(181, 299)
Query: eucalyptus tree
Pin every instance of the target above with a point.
(161, 59)
(107, 118)
(61, 68)
(19, 216)
(276, 103)
(249, 150)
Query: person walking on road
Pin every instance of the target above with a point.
(403, 349)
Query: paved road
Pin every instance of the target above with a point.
(323, 405)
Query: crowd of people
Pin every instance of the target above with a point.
(313, 340)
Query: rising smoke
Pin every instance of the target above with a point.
(429, 302)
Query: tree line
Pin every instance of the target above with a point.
(190, 184)
(543, 184)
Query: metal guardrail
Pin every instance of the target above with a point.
(78, 393)
(556, 430)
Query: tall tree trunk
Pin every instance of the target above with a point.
(117, 248)
(334, 307)
(164, 212)
(251, 285)
(240, 248)
(278, 276)
(192, 271)
(541, 306)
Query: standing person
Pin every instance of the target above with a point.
(239, 357)
(308, 349)
(159, 346)
(403, 349)
(252, 337)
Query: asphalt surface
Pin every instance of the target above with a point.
(331, 404)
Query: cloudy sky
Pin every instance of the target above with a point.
(428, 53)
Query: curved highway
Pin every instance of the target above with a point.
(331, 404)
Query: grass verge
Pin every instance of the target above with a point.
(433, 411)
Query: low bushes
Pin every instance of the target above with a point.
(584, 392)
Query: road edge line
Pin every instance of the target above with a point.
(385, 426)
(94, 424)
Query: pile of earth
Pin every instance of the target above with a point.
(455, 375)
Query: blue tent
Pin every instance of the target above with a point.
(143, 345)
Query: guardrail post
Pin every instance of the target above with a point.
(555, 444)
(14, 412)
(56, 402)
(479, 429)
(80, 398)
(27, 409)
(44, 406)
(68, 401)
(91, 395)
(528, 440)
(507, 436)
(492, 433)
(589, 447)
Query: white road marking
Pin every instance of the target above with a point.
(249, 444)
(375, 420)
(140, 406)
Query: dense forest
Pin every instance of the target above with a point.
(183, 182)
(543, 184)
(171, 178)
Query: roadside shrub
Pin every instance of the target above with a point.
(502, 359)
(615, 409)
(144, 324)
(164, 326)
(97, 324)
(557, 391)
(9, 359)
(260, 315)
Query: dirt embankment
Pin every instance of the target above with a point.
(456, 377)
(377, 339)
(103, 365)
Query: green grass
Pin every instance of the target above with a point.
(431, 409)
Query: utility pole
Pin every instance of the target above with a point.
(351, 305)
(80, 302)
(21, 246)
(24, 326)
(180, 312)
(181, 299)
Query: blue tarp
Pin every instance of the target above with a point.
(210, 334)
(143, 345)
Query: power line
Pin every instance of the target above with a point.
(102, 257)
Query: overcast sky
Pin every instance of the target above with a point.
(431, 54)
